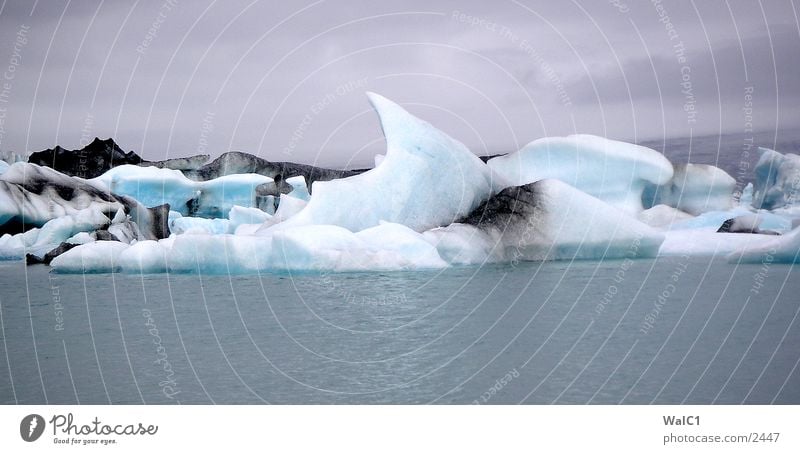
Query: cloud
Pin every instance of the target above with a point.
(493, 75)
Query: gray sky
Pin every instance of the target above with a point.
(286, 80)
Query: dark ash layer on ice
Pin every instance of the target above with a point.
(545, 220)
(236, 162)
(100, 156)
(39, 205)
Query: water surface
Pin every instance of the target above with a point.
(671, 330)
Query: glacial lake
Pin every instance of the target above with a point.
(665, 331)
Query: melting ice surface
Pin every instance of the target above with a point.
(429, 203)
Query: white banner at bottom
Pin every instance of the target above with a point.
(400, 429)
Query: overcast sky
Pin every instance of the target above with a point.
(286, 79)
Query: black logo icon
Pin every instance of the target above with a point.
(31, 427)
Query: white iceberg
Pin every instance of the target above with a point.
(614, 172)
(662, 216)
(708, 242)
(219, 254)
(326, 247)
(299, 188)
(774, 249)
(426, 180)
(194, 225)
(694, 189)
(288, 206)
(152, 186)
(96, 257)
(246, 218)
(146, 257)
(465, 244)
(713, 220)
(387, 246)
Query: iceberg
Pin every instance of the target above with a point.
(308, 248)
(777, 183)
(708, 242)
(713, 220)
(780, 249)
(31, 195)
(145, 257)
(288, 206)
(614, 172)
(237, 217)
(753, 223)
(662, 216)
(299, 188)
(39, 241)
(464, 244)
(548, 220)
(720, 233)
(153, 186)
(426, 180)
(396, 246)
(244, 216)
(194, 225)
(219, 254)
(387, 246)
(96, 257)
(428, 203)
(80, 238)
(41, 209)
(694, 189)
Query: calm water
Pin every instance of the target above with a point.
(535, 333)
